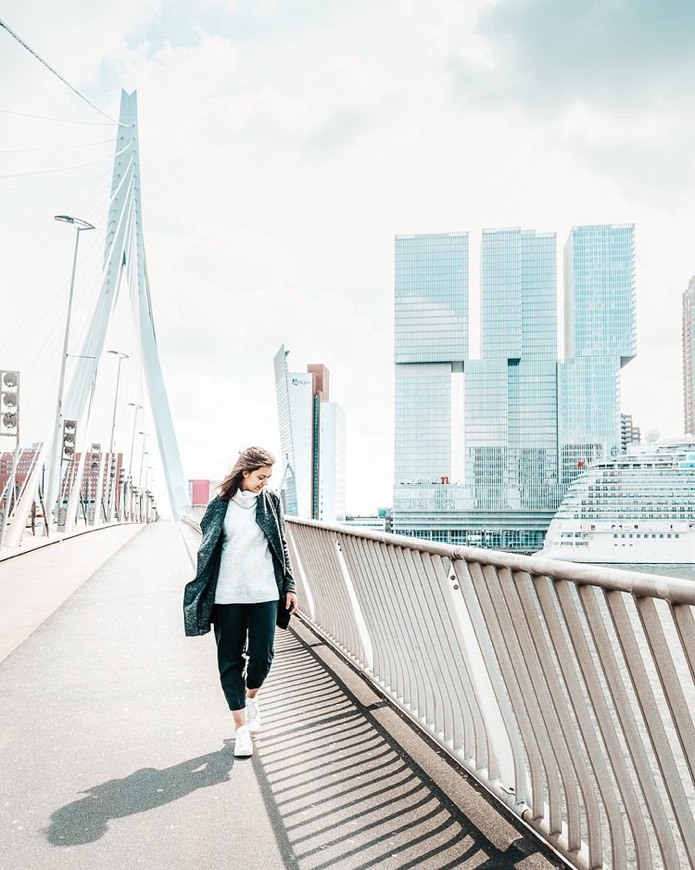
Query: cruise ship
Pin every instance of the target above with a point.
(635, 509)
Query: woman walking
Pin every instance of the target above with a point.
(243, 586)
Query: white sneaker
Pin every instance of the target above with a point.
(243, 745)
(253, 715)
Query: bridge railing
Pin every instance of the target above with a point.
(566, 690)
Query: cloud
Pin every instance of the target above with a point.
(339, 130)
(611, 82)
(626, 55)
(282, 147)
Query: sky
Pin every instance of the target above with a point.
(283, 145)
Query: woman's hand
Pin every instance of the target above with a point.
(291, 601)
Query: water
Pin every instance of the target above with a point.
(684, 571)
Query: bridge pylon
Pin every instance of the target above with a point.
(124, 256)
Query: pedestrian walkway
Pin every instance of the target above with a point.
(115, 749)
(37, 580)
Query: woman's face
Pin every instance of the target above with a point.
(254, 481)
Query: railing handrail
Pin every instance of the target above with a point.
(672, 589)
(566, 690)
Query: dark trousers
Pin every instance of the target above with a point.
(245, 635)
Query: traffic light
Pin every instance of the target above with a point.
(94, 458)
(69, 436)
(9, 403)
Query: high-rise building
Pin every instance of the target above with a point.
(431, 341)
(200, 491)
(476, 439)
(600, 338)
(480, 443)
(313, 439)
(689, 356)
(511, 392)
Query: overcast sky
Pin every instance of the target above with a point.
(284, 144)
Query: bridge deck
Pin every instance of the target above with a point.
(115, 750)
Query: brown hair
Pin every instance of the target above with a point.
(249, 460)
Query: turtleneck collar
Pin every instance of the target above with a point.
(244, 498)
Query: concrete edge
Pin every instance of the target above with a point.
(31, 545)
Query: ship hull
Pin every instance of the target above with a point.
(636, 509)
(666, 551)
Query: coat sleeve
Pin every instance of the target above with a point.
(199, 593)
(206, 527)
(289, 584)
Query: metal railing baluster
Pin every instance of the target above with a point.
(566, 690)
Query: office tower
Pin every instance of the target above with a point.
(476, 439)
(599, 340)
(313, 439)
(330, 504)
(688, 327)
(200, 492)
(511, 393)
(431, 341)
(485, 447)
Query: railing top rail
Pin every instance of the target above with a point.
(190, 521)
(671, 589)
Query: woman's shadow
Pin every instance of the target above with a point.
(85, 820)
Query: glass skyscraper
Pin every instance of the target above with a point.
(312, 436)
(600, 338)
(431, 339)
(522, 414)
(511, 392)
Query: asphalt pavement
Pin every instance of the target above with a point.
(116, 750)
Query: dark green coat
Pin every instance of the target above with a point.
(199, 594)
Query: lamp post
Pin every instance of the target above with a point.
(132, 440)
(147, 495)
(112, 502)
(152, 500)
(130, 458)
(56, 460)
(121, 357)
(142, 465)
(142, 456)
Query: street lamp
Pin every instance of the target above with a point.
(132, 440)
(121, 356)
(144, 453)
(56, 461)
(142, 458)
(129, 484)
(146, 493)
(112, 464)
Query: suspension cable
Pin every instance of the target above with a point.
(31, 51)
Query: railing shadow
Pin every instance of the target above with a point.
(338, 788)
